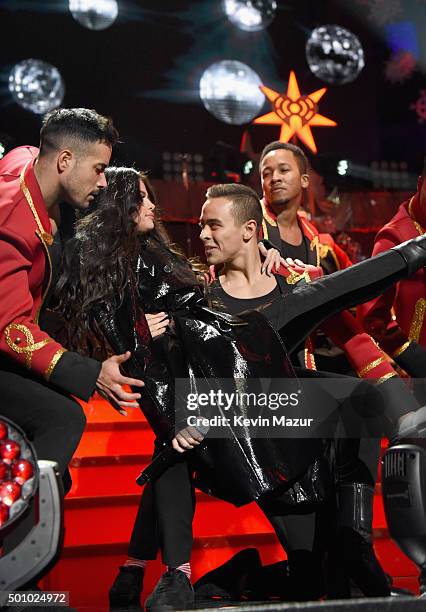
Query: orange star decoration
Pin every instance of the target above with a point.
(295, 113)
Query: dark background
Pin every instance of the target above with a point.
(144, 72)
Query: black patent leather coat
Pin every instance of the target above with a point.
(213, 345)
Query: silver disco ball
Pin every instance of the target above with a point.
(94, 14)
(334, 54)
(230, 91)
(36, 86)
(250, 15)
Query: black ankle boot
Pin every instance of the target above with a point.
(356, 540)
(127, 587)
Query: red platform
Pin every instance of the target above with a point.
(100, 509)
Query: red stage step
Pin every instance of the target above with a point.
(100, 509)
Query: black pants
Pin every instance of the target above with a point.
(52, 421)
(164, 518)
(172, 495)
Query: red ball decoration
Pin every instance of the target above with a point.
(4, 471)
(3, 430)
(10, 492)
(22, 470)
(4, 514)
(9, 450)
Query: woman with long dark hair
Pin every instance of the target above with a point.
(121, 266)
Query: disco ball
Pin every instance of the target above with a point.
(230, 91)
(250, 15)
(36, 85)
(334, 54)
(94, 14)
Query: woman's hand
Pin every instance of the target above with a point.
(157, 323)
(298, 266)
(186, 439)
(272, 261)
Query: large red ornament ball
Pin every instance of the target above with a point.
(9, 450)
(22, 470)
(10, 492)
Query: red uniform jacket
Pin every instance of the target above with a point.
(397, 318)
(364, 355)
(25, 274)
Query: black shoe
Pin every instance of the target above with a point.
(127, 587)
(173, 592)
(230, 581)
(270, 583)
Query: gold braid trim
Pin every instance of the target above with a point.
(294, 277)
(410, 212)
(310, 360)
(266, 214)
(401, 349)
(371, 366)
(45, 236)
(315, 245)
(418, 318)
(56, 357)
(31, 347)
(386, 377)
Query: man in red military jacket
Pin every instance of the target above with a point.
(37, 375)
(397, 319)
(284, 176)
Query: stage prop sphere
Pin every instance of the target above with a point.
(250, 15)
(36, 86)
(334, 54)
(230, 92)
(94, 14)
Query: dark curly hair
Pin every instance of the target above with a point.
(100, 260)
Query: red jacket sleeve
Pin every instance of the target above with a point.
(376, 315)
(21, 339)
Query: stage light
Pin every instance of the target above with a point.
(94, 14)
(295, 113)
(2, 150)
(18, 472)
(250, 15)
(342, 167)
(230, 91)
(334, 54)
(36, 86)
